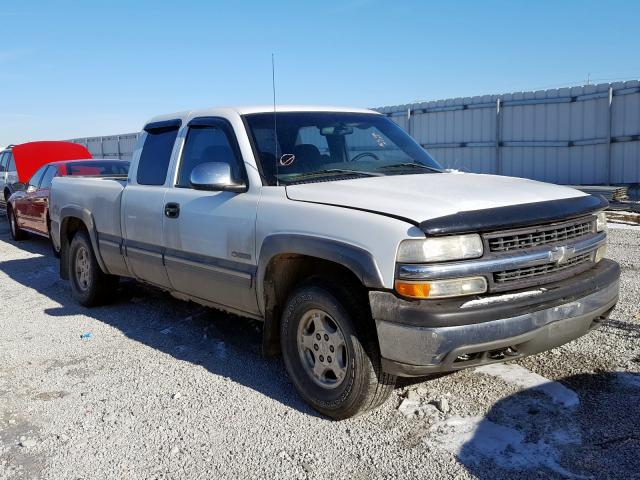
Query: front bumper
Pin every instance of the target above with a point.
(423, 337)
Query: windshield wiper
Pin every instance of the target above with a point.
(329, 171)
(409, 165)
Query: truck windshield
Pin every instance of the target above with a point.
(313, 146)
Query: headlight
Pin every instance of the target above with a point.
(455, 287)
(438, 249)
(601, 222)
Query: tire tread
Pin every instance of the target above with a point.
(103, 285)
(19, 233)
(352, 299)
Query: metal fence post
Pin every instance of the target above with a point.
(498, 153)
(118, 147)
(610, 126)
(409, 120)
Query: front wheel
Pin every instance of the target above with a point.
(16, 232)
(90, 286)
(331, 352)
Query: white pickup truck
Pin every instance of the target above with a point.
(363, 257)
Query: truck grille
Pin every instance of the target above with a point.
(533, 237)
(530, 273)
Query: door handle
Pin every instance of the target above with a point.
(172, 210)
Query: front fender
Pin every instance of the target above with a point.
(356, 259)
(13, 197)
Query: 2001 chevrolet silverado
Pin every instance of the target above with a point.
(363, 257)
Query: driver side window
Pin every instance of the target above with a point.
(32, 185)
(48, 177)
(207, 143)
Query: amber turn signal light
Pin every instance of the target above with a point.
(454, 287)
(413, 290)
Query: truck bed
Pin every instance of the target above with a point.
(100, 196)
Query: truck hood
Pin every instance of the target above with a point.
(423, 197)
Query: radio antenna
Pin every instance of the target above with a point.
(275, 120)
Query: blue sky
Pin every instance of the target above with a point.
(83, 68)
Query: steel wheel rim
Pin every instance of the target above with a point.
(83, 268)
(322, 348)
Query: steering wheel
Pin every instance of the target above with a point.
(365, 154)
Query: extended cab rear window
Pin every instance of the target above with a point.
(156, 152)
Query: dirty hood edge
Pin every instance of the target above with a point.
(424, 197)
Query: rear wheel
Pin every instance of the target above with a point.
(16, 232)
(330, 351)
(90, 286)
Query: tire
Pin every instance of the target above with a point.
(352, 381)
(90, 286)
(16, 232)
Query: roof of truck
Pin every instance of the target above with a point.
(297, 108)
(246, 110)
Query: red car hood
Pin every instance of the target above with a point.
(29, 157)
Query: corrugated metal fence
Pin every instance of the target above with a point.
(579, 135)
(114, 146)
(585, 135)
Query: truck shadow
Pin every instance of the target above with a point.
(226, 345)
(528, 435)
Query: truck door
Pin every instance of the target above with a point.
(143, 203)
(210, 236)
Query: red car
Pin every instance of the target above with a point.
(18, 162)
(28, 209)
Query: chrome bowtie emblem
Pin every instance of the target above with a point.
(561, 254)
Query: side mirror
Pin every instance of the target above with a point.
(215, 177)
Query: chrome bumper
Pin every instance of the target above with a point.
(413, 350)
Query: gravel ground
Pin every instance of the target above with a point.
(165, 389)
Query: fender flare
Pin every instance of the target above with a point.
(355, 258)
(67, 213)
